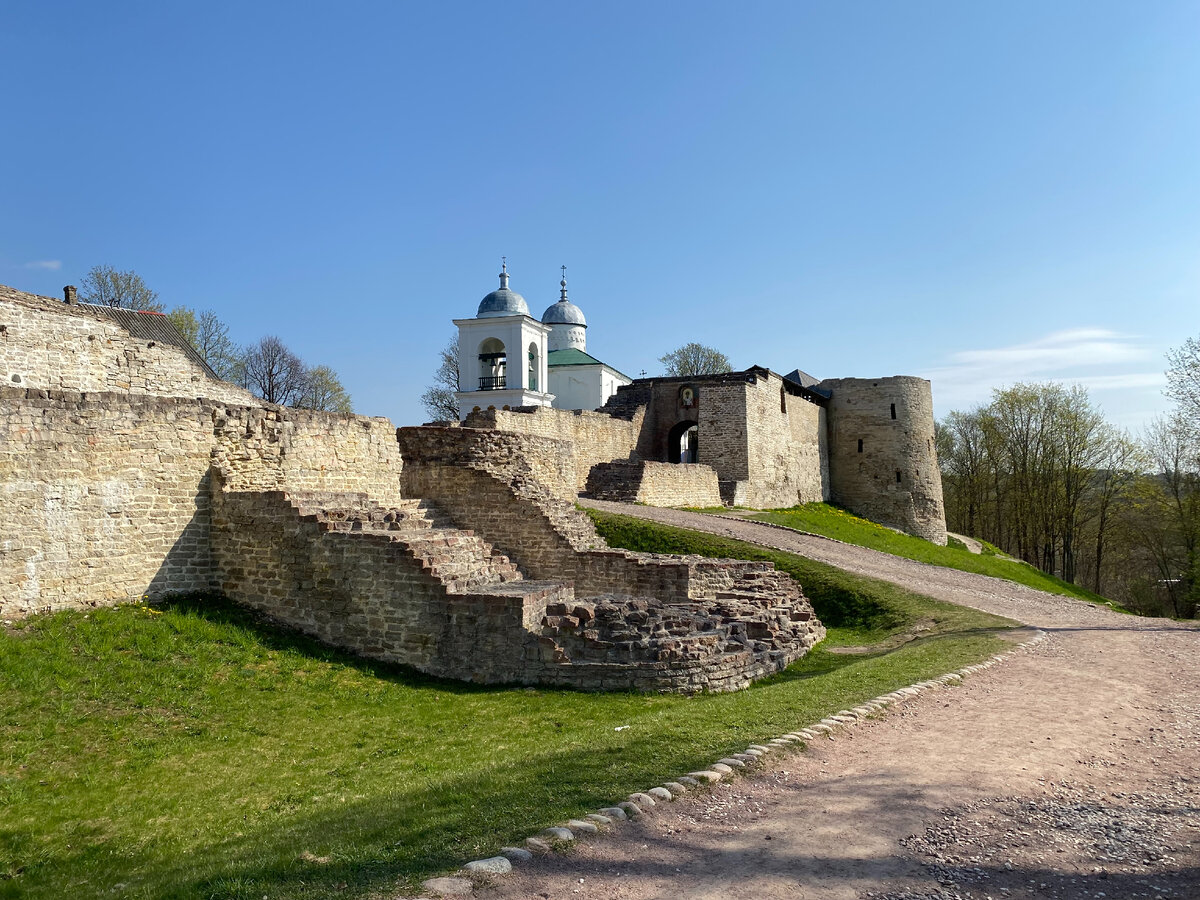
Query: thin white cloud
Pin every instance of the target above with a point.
(1104, 361)
(1054, 353)
(1061, 355)
(1155, 380)
(52, 265)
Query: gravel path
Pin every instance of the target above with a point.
(1070, 771)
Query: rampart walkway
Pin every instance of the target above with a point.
(1071, 771)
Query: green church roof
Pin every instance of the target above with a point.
(573, 357)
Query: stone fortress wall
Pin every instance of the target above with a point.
(467, 559)
(765, 442)
(104, 497)
(108, 449)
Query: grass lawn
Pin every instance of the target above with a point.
(829, 521)
(189, 751)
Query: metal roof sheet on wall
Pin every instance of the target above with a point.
(152, 326)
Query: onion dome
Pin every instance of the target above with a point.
(502, 302)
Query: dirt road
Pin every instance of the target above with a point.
(1069, 771)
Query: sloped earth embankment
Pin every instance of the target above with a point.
(1071, 771)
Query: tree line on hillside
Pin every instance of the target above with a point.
(267, 368)
(1040, 474)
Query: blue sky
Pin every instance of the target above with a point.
(977, 193)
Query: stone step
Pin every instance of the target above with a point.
(457, 557)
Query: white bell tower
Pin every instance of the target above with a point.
(502, 354)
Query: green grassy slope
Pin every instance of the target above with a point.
(829, 521)
(193, 752)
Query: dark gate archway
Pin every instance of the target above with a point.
(682, 443)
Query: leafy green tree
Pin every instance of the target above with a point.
(323, 391)
(1174, 496)
(106, 286)
(695, 359)
(185, 322)
(1183, 378)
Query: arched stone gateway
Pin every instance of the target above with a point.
(683, 442)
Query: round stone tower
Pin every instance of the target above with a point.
(882, 454)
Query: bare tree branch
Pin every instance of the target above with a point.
(438, 399)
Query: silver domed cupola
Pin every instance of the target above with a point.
(502, 302)
(568, 327)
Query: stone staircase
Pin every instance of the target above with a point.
(589, 617)
(625, 402)
(458, 558)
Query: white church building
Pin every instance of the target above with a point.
(508, 358)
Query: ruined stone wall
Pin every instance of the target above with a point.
(593, 437)
(488, 481)
(655, 483)
(274, 448)
(104, 498)
(527, 459)
(496, 495)
(366, 593)
(44, 343)
(882, 454)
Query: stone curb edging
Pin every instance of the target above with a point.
(556, 837)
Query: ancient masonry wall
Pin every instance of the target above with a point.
(882, 457)
(366, 591)
(492, 494)
(273, 448)
(592, 436)
(722, 435)
(103, 498)
(46, 344)
(787, 456)
(655, 483)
